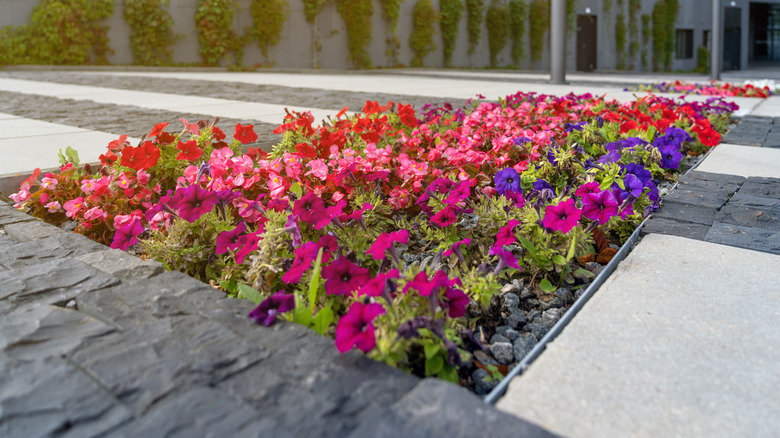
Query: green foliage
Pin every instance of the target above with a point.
(63, 32)
(634, 7)
(518, 16)
(702, 60)
(214, 22)
(151, 31)
(424, 19)
(498, 29)
(571, 17)
(475, 10)
(620, 41)
(451, 13)
(312, 8)
(539, 18)
(664, 16)
(269, 18)
(606, 6)
(357, 18)
(646, 35)
(391, 10)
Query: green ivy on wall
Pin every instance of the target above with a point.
(391, 10)
(357, 18)
(475, 11)
(451, 13)
(517, 19)
(60, 32)
(664, 17)
(424, 18)
(620, 37)
(214, 23)
(269, 19)
(606, 6)
(634, 7)
(497, 20)
(151, 31)
(312, 9)
(646, 35)
(539, 18)
(571, 17)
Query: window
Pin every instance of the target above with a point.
(684, 44)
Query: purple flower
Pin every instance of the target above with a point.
(304, 256)
(328, 244)
(611, 157)
(330, 214)
(266, 312)
(677, 136)
(193, 202)
(640, 172)
(562, 217)
(355, 329)
(505, 260)
(600, 206)
(127, 236)
(507, 180)
(291, 226)
(457, 251)
(521, 140)
(633, 185)
(569, 127)
(455, 301)
(309, 208)
(162, 205)
(670, 157)
(342, 277)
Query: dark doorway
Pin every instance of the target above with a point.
(732, 38)
(586, 42)
(765, 31)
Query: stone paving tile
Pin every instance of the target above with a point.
(675, 227)
(744, 237)
(687, 213)
(58, 246)
(10, 215)
(750, 217)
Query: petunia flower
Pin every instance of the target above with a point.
(455, 301)
(505, 260)
(229, 240)
(377, 286)
(245, 134)
(329, 245)
(343, 277)
(265, 313)
(330, 214)
(506, 235)
(670, 157)
(248, 244)
(193, 202)
(385, 242)
(304, 256)
(599, 207)
(457, 251)
(562, 217)
(188, 150)
(445, 217)
(591, 187)
(291, 226)
(355, 329)
(507, 180)
(127, 236)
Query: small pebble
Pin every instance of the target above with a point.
(516, 319)
(512, 334)
(483, 382)
(511, 301)
(553, 314)
(533, 314)
(523, 345)
(498, 338)
(503, 352)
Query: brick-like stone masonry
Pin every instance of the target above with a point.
(99, 343)
(755, 131)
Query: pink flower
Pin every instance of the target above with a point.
(457, 251)
(49, 182)
(330, 213)
(377, 285)
(455, 301)
(121, 220)
(304, 256)
(248, 244)
(343, 277)
(229, 240)
(127, 236)
(506, 235)
(600, 206)
(318, 169)
(399, 198)
(53, 206)
(193, 202)
(95, 213)
(445, 217)
(385, 241)
(73, 207)
(143, 177)
(328, 244)
(562, 217)
(122, 181)
(591, 187)
(355, 329)
(505, 260)
(88, 186)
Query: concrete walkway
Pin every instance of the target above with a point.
(682, 340)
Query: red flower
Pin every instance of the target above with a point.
(245, 134)
(158, 129)
(142, 157)
(406, 113)
(189, 150)
(709, 137)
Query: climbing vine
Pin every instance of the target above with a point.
(634, 7)
(151, 31)
(391, 10)
(475, 10)
(451, 12)
(606, 6)
(620, 37)
(311, 9)
(646, 34)
(424, 19)
(517, 18)
(571, 17)
(269, 18)
(497, 20)
(60, 32)
(214, 22)
(539, 20)
(664, 16)
(357, 18)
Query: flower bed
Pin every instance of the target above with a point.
(415, 238)
(714, 88)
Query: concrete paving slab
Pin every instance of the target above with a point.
(682, 340)
(4, 116)
(769, 107)
(743, 161)
(22, 127)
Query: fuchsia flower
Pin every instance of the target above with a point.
(304, 256)
(330, 214)
(591, 187)
(266, 312)
(329, 244)
(193, 202)
(385, 241)
(562, 217)
(506, 235)
(376, 286)
(445, 217)
(505, 260)
(457, 251)
(309, 208)
(343, 277)
(355, 329)
(357, 214)
(229, 240)
(599, 207)
(463, 191)
(248, 244)
(455, 300)
(127, 236)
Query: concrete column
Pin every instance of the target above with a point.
(558, 42)
(716, 53)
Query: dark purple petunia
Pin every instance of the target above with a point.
(266, 312)
(507, 180)
(611, 157)
(193, 202)
(228, 240)
(633, 185)
(521, 140)
(127, 236)
(640, 172)
(677, 136)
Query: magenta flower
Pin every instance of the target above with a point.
(455, 300)
(309, 208)
(599, 207)
(591, 187)
(343, 277)
(329, 215)
(376, 287)
(445, 217)
(228, 240)
(463, 191)
(193, 202)
(329, 244)
(506, 235)
(355, 329)
(266, 312)
(515, 197)
(562, 217)
(421, 283)
(127, 236)
(457, 251)
(505, 260)
(304, 256)
(162, 205)
(385, 241)
(248, 244)
(291, 226)
(357, 214)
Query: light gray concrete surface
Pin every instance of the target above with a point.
(683, 340)
(770, 107)
(743, 161)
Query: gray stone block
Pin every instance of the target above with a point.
(10, 215)
(697, 198)
(32, 230)
(58, 246)
(122, 265)
(719, 177)
(701, 185)
(749, 217)
(439, 409)
(49, 282)
(755, 202)
(52, 397)
(744, 237)
(687, 213)
(671, 227)
(760, 188)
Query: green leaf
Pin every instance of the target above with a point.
(573, 246)
(546, 286)
(527, 244)
(314, 283)
(301, 314)
(248, 292)
(296, 188)
(433, 365)
(322, 320)
(73, 156)
(583, 273)
(448, 373)
(558, 259)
